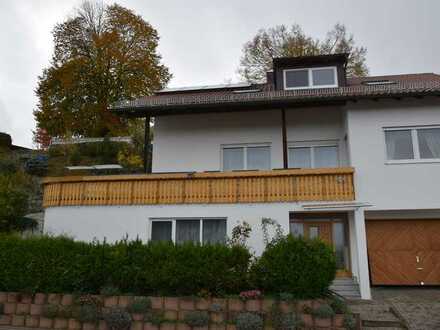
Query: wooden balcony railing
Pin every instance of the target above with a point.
(329, 184)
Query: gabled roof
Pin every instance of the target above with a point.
(265, 96)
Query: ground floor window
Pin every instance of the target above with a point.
(197, 230)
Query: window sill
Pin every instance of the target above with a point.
(412, 161)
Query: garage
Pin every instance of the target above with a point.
(404, 252)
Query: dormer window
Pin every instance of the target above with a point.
(324, 77)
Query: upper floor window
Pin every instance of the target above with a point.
(247, 157)
(313, 156)
(412, 143)
(310, 78)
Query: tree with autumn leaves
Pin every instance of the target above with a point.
(102, 54)
(285, 41)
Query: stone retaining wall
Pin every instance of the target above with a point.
(21, 310)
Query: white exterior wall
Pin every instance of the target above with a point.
(113, 223)
(391, 186)
(184, 143)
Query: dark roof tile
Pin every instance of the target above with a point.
(406, 84)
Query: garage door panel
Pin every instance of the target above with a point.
(429, 267)
(404, 252)
(391, 267)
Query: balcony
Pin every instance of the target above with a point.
(293, 185)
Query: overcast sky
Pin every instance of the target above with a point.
(201, 41)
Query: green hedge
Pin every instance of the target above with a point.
(298, 267)
(62, 265)
(303, 268)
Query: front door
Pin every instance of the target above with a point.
(322, 230)
(330, 228)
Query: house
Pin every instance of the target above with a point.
(354, 161)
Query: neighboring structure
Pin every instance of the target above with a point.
(354, 161)
(7, 146)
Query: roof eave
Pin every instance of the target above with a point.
(228, 106)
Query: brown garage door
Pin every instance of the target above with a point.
(404, 252)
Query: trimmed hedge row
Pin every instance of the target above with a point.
(302, 268)
(62, 265)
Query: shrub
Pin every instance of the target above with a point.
(251, 294)
(216, 308)
(286, 296)
(284, 321)
(65, 312)
(324, 311)
(110, 290)
(197, 318)
(87, 313)
(290, 321)
(59, 265)
(50, 311)
(304, 268)
(249, 321)
(117, 319)
(349, 321)
(140, 305)
(338, 305)
(155, 317)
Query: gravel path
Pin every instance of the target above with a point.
(418, 308)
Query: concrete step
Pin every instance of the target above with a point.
(346, 287)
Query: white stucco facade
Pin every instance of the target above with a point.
(387, 186)
(194, 142)
(186, 143)
(115, 222)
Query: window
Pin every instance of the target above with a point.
(310, 78)
(296, 78)
(297, 229)
(313, 156)
(412, 144)
(246, 157)
(179, 230)
(313, 232)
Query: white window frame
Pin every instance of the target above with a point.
(310, 75)
(415, 142)
(312, 145)
(245, 146)
(173, 225)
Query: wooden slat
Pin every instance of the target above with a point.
(202, 188)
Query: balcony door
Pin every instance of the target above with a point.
(330, 228)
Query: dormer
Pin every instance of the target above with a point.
(309, 72)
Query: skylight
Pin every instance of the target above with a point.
(379, 82)
(241, 91)
(206, 87)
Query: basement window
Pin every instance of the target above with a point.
(325, 77)
(182, 230)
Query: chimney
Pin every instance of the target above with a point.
(269, 77)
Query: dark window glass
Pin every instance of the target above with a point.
(161, 231)
(214, 231)
(187, 231)
(297, 78)
(323, 77)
